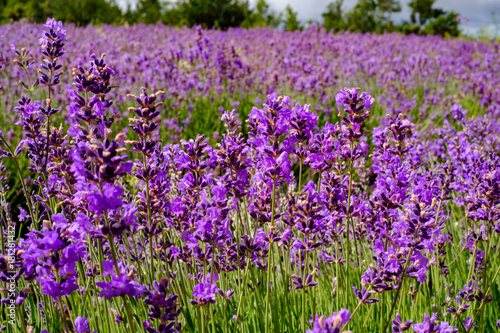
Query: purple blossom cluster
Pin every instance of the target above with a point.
(120, 228)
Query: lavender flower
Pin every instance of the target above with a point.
(81, 325)
(205, 291)
(332, 324)
(429, 326)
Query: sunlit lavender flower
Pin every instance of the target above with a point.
(205, 291)
(81, 325)
(331, 324)
(429, 326)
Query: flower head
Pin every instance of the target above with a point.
(81, 325)
(332, 324)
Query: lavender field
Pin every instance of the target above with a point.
(156, 179)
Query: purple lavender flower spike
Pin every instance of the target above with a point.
(205, 291)
(429, 326)
(400, 326)
(81, 325)
(332, 324)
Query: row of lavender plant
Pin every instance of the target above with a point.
(291, 227)
(202, 70)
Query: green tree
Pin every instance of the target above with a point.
(262, 16)
(291, 20)
(149, 11)
(172, 16)
(363, 17)
(388, 7)
(333, 18)
(81, 12)
(84, 12)
(372, 15)
(18, 9)
(433, 21)
(130, 15)
(444, 25)
(209, 13)
(423, 9)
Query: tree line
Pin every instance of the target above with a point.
(366, 16)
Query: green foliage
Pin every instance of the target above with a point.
(220, 13)
(81, 12)
(149, 11)
(371, 16)
(291, 20)
(410, 28)
(430, 21)
(424, 10)
(15, 10)
(443, 25)
(262, 16)
(363, 17)
(333, 18)
(375, 16)
(387, 7)
(130, 15)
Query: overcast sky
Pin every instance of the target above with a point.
(478, 11)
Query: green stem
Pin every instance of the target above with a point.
(286, 286)
(350, 220)
(347, 221)
(473, 263)
(259, 298)
(402, 287)
(48, 130)
(242, 283)
(382, 310)
(100, 255)
(348, 233)
(237, 231)
(485, 295)
(300, 176)
(367, 317)
(270, 256)
(268, 284)
(23, 321)
(486, 255)
(148, 208)
(337, 291)
(439, 206)
(398, 292)
(458, 255)
(47, 145)
(304, 274)
(117, 269)
(225, 303)
(312, 299)
(63, 316)
(212, 272)
(202, 320)
(25, 191)
(355, 311)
